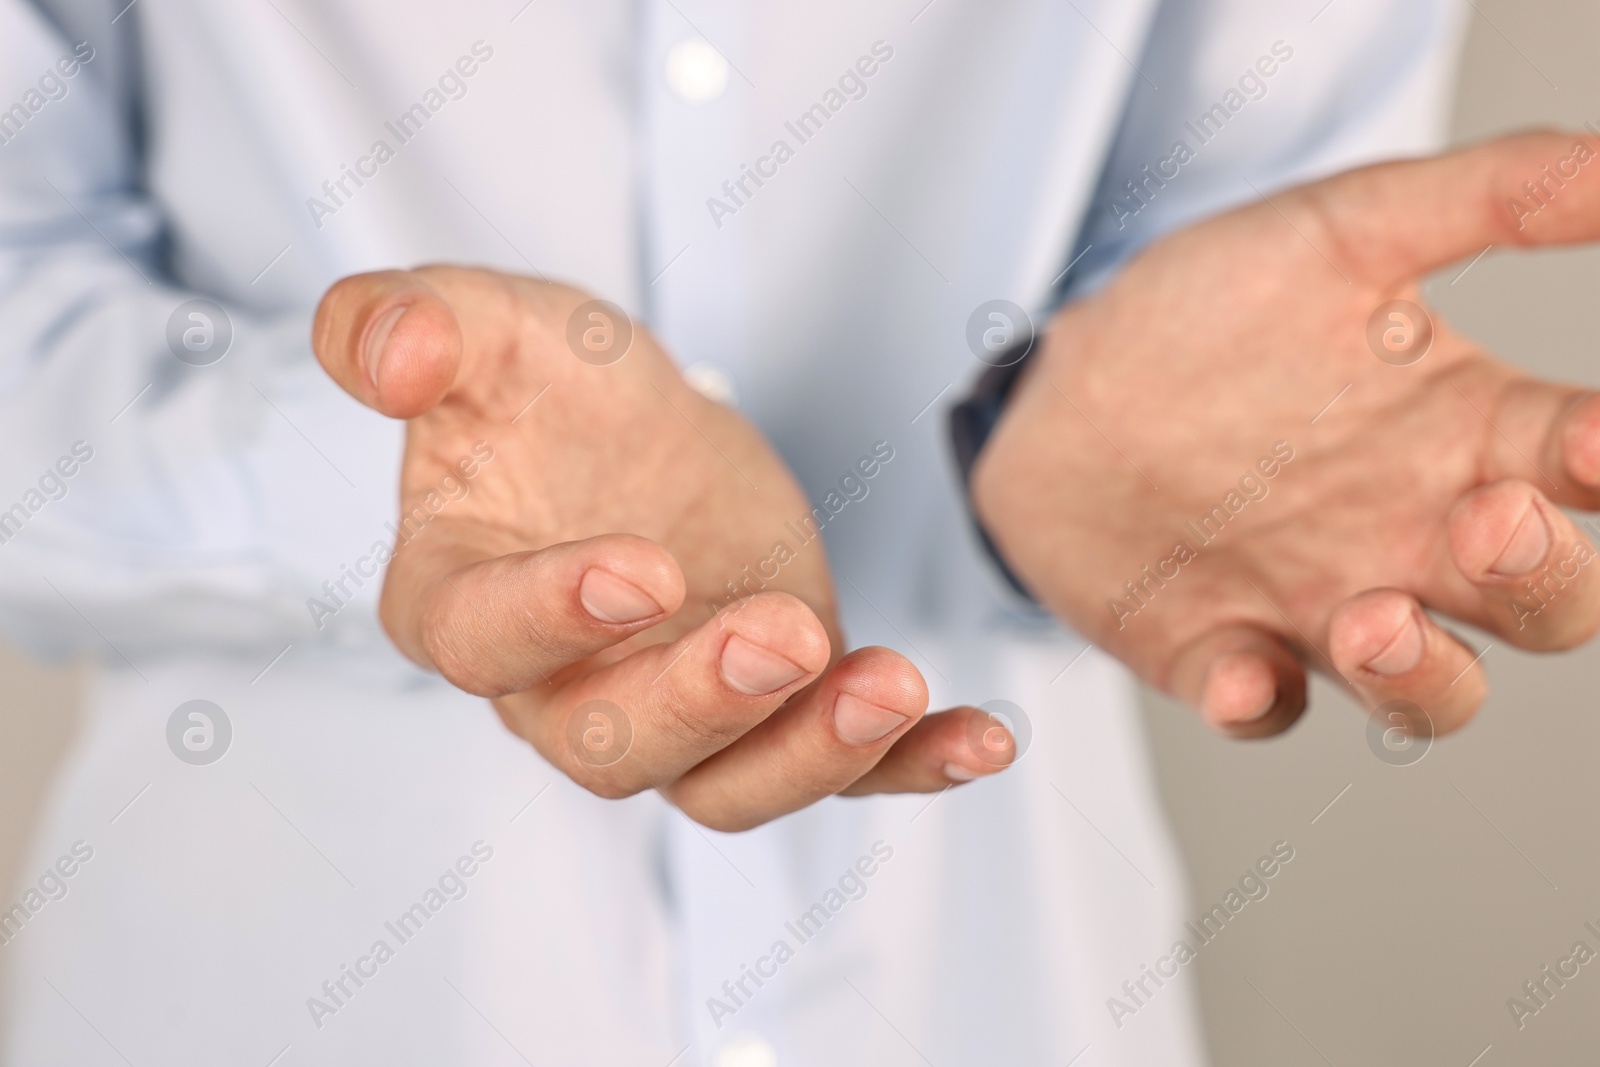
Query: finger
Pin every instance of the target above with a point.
(502, 625)
(1391, 223)
(1529, 564)
(1573, 449)
(1245, 681)
(945, 749)
(681, 702)
(389, 340)
(828, 737)
(1547, 434)
(1385, 646)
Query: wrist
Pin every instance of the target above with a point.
(974, 425)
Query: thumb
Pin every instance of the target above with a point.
(1394, 222)
(389, 340)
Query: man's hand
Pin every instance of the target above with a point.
(574, 580)
(1211, 473)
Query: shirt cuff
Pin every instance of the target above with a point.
(973, 420)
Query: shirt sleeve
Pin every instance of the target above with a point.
(170, 471)
(1235, 99)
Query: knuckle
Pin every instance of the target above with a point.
(456, 652)
(466, 632)
(544, 631)
(686, 719)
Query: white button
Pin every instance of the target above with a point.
(696, 71)
(745, 1050)
(711, 382)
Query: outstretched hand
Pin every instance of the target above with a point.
(594, 579)
(1242, 457)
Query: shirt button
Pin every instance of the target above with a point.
(696, 71)
(745, 1050)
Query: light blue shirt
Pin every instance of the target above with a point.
(934, 156)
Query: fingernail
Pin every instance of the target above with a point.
(1402, 653)
(1528, 548)
(861, 723)
(753, 670)
(372, 355)
(1258, 713)
(610, 599)
(957, 773)
(1226, 677)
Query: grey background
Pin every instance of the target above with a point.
(1424, 897)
